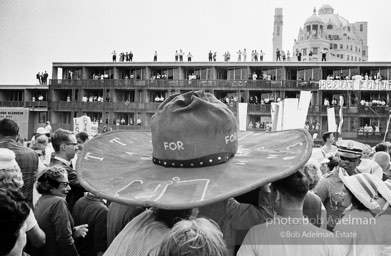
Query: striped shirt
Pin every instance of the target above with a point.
(141, 237)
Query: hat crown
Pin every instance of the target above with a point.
(191, 126)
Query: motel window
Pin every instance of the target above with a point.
(341, 56)
(329, 26)
(361, 27)
(335, 46)
(42, 117)
(337, 55)
(341, 46)
(347, 57)
(331, 46)
(364, 52)
(355, 58)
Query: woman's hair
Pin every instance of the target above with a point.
(10, 174)
(198, 237)
(312, 171)
(170, 217)
(40, 142)
(355, 202)
(13, 213)
(48, 179)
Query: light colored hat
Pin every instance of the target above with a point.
(350, 148)
(364, 186)
(41, 130)
(7, 159)
(386, 190)
(194, 156)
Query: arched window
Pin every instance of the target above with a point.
(329, 26)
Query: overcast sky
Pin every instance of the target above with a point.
(33, 34)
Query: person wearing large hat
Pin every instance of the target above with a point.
(329, 189)
(357, 230)
(383, 220)
(194, 156)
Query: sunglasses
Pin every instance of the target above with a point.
(348, 159)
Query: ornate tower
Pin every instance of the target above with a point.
(277, 32)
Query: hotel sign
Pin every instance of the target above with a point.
(363, 85)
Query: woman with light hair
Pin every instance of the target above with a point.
(197, 237)
(11, 177)
(312, 170)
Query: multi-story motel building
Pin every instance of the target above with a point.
(26, 104)
(125, 95)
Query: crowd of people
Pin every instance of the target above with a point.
(42, 78)
(308, 212)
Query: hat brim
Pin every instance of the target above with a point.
(118, 166)
(362, 197)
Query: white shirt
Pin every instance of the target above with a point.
(282, 237)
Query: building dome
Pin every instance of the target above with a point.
(314, 19)
(326, 9)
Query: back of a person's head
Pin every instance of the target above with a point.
(332, 163)
(312, 170)
(59, 137)
(8, 127)
(83, 136)
(326, 135)
(294, 186)
(383, 159)
(13, 214)
(381, 147)
(198, 237)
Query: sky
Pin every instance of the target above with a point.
(34, 34)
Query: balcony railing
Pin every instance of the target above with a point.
(18, 104)
(36, 104)
(196, 83)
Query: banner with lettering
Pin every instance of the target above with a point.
(82, 124)
(20, 116)
(363, 85)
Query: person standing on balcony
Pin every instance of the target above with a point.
(155, 56)
(45, 78)
(176, 55)
(278, 55)
(261, 54)
(288, 55)
(189, 56)
(131, 56)
(181, 55)
(239, 55)
(244, 55)
(114, 56)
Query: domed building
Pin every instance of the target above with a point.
(333, 35)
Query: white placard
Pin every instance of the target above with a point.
(242, 116)
(332, 125)
(82, 124)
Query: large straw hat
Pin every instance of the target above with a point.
(194, 156)
(364, 186)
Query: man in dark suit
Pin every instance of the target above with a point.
(27, 159)
(65, 145)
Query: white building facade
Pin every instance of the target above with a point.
(332, 35)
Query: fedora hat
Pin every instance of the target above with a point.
(192, 157)
(365, 187)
